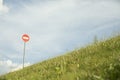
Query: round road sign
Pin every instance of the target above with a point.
(25, 38)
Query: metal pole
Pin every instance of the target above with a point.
(24, 54)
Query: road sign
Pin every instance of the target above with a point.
(25, 38)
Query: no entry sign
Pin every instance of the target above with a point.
(25, 38)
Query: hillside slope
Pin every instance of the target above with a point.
(99, 61)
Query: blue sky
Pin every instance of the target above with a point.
(55, 27)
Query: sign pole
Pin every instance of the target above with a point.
(24, 54)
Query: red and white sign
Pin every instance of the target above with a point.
(25, 38)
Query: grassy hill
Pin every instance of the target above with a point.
(99, 61)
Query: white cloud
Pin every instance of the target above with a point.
(49, 22)
(3, 8)
(9, 66)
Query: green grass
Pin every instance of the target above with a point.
(98, 61)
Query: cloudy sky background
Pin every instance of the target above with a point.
(55, 27)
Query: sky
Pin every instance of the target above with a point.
(54, 26)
